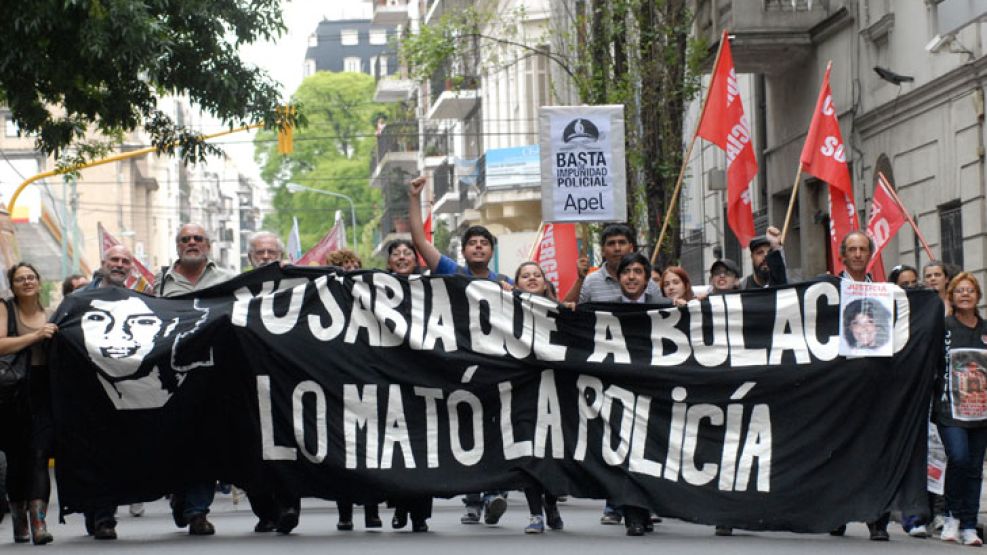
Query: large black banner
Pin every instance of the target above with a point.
(735, 411)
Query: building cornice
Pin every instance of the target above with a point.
(925, 97)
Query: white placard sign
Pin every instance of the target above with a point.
(866, 319)
(582, 164)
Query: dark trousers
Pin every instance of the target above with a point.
(964, 464)
(270, 505)
(539, 499)
(27, 464)
(100, 516)
(420, 508)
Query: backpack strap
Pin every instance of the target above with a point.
(11, 318)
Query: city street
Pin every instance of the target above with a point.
(155, 533)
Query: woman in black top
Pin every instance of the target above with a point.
(960, 409)
(26, 434)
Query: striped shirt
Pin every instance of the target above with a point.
(601, 287)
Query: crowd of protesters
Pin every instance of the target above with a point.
(626, 276)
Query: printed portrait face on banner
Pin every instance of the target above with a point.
(120, 334)
(134, 349)
(968, 384)
(866, 324)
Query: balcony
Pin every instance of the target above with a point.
(396, 155)
(433, 9)
(392, 89)
(390, 12)
(770, 36)
(436, 146)
(453, 91)
(446, 197)
(508, 186)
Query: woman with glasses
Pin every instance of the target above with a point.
(402, 261)
(958, 409)
(402, 258)
(26, 434)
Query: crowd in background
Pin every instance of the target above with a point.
(625, 276)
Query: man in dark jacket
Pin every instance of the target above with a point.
(767, 260)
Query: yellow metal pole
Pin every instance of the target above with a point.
(110, 159)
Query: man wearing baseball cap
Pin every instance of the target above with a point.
(767, 261)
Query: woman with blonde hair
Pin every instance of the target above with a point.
(956, 409)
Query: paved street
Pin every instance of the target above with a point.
(155, 533)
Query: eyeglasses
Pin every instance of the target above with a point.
(965, 291)
(186, 239)
(30, 278)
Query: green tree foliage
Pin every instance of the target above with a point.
(632, 52)
(332, 153)
(68, 66)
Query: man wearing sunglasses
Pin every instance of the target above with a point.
(193, 271)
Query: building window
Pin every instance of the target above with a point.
(373, 66)
(350, 37)
(313, 40)
(9, 127)
(351, 64)
(378, 36)
(309, 67)
(383, 66)
(951, 233)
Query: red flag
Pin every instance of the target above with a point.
(140, 279)
(557, 252)
(724, 124)
(824, 156)
(886, 218)
(316, 256)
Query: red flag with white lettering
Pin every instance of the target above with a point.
(886, 218)
(557, 252)
(724, 124)
(824, 156)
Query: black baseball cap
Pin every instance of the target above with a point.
(728, 264)
(758, 241)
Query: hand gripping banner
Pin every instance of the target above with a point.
(736, 410)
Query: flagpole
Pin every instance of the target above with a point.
(894, 194)
(685, 161)
(791, 205)
(538, 236)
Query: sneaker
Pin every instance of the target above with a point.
(937, 522)
(495, 507)
(536, 525)
(969, 537)
(919, 531)
(136, 510)
(610, 518)
(950, 530)
(553, 518)
(472, 516)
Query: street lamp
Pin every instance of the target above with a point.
(296, 188)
